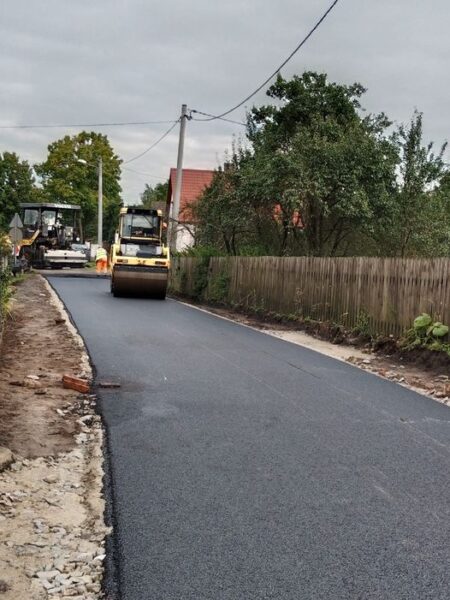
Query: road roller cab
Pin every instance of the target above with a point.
(140, 259)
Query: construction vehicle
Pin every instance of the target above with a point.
(139, 259)
(49, 230)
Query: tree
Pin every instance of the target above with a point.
(225, 222)
(155, 197)
(16, 186)
(65, 179)
(420, 223)
(319, 174)
(323, 161)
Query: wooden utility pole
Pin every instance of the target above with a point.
(178, 180)
(100, 203)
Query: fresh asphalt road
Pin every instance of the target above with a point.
(245, 467)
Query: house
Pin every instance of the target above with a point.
(193, 184)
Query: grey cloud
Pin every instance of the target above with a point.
(107, 60)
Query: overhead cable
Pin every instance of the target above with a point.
(69, 125)
(199, 112)
(144, 174)
(277, 70)
(153, 145)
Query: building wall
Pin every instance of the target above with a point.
(184, 237)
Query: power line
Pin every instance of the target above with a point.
(277, 70)
(153, 145)
(144, 174)
(69, 125)
(199, 112)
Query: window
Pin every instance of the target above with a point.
(30, 217)
(141, 226)
(48, 217)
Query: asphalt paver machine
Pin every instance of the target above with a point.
(49, 230)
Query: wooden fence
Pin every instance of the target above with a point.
(386, 293)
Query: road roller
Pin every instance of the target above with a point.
(140, 260)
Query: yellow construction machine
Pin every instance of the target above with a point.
(140, 261)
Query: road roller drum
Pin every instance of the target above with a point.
(139, 258)
(144, 282)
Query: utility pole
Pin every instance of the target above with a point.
(178, 180)
(100, 203)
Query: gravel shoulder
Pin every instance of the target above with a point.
(51, 502)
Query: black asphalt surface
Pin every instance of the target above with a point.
(246, 467)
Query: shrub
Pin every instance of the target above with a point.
(200, 278)
(219, 287)
(426, 333)
(363, 326)
(5, 291)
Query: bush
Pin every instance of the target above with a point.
(363, 327)
(200, 252)
(200, 280)
(426, 333)
(5, 245)
(5, 291)
(219, 288)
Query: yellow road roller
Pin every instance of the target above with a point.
(139, 259)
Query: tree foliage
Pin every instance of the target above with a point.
(420, 218)
(66, 179)
(318, 173)
(320, 177)
(16, 186)
(155, 197)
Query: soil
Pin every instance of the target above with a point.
(37, 349)
(423, 371)
(51, 496)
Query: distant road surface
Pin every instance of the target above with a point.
(247, 468)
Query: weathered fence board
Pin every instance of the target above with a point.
(387, 292)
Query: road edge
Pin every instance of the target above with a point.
(111, 576)
(412, 388)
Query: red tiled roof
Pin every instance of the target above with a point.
(194, 182)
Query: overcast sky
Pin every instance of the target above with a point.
(91, 61)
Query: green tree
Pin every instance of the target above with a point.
(321, 160)
(155, 197)
(420, 220)
(66, 178)
(444, 185)
(318, 177)
(16, 186)
(225, 222)
(443, 192)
